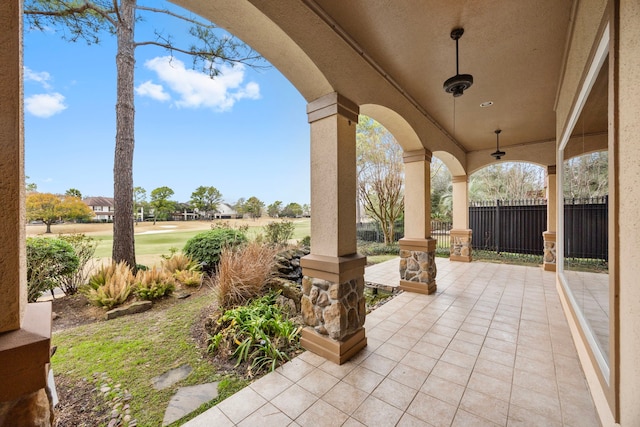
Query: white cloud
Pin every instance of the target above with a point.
(41, 77)
(45, 104)
(153, 91)
(197, 90)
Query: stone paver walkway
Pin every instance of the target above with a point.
(490, 348)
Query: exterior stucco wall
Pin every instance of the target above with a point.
(13, 286)
(628, 200)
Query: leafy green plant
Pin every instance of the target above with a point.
(84, 248)
(243, 272)
(374, 248)
(48, 262)
(205, 248)
(153, 284)
(279, 233)
(305, 241)
(258, 333)
(110, 286)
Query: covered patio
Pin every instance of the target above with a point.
(491, 347)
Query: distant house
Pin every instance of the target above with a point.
(102, 207)
(226, 212)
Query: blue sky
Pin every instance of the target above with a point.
(245, 133)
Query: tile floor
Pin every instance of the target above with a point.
(490, 348)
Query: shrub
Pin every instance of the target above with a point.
(258, 333)
(205, 248)
(153, 284)
(178, 262)
(188, 277)
(306, 241)
(110, 286)
(243, 273)
(84, 248)
(373, 248)
(48, 261)
(279, 233)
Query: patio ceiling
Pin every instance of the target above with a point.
(400, 52)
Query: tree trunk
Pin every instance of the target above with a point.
(123, 240)
(48, 224)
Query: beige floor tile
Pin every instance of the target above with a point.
(241, 404)
(466, 419)
(539, 383)
(451, 372)
(379, 364)
(428, 349)
(312, 358)
(485, 406)
(212, 417)
(375, 412)
(409, 420)
(437, 339)
(464, 347)
(364, 379)
(345, 397)
(522, 417)
(494, 370)
(546, 405)
(294, 401)
(391, 351)
(378, 333)
(475, 328)
(320, 414)
(318, 382)
(503, 335)
(489, 385)
(497, 344)
(295, 369)
(352, 422)
(394, 393)
(536, 367)
(267, 416)
(442, 389)
(403, 341)
(497, 356)
(338, 371)
(271, 385)
(457, 358)
(432, 410)
(409, 376)
(419, 361)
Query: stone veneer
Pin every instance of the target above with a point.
(549, 251)
(460, 245)
(419, 267)
(334, 309)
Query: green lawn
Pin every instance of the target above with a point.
(131, 355)
(161, 243)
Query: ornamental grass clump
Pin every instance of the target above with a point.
(181, 262)
(110, 286)
(153, 284)
(258, 333)
(243, 273)
(190, 278)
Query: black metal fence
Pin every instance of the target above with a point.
(586, 228)
(509, 226)
(516, 227)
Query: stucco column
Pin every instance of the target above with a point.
(549, 236)
(461, 235)
(25, 329)
(417, 248)
(333, 305)
(624, 225)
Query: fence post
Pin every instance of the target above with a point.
(497, 227)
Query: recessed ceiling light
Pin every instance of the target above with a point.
(486, 104)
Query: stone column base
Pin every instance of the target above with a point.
(418, 265)
(549, 257)
(333, 305)
(337, 352)
(460, 245)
